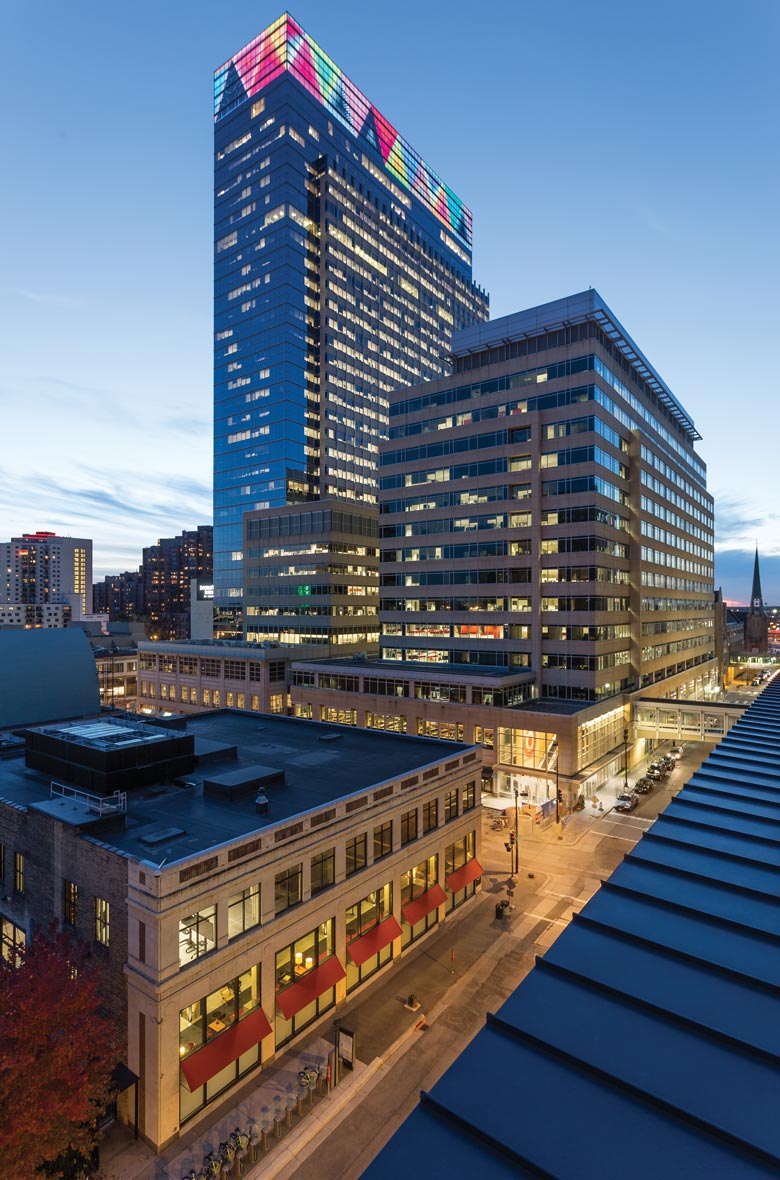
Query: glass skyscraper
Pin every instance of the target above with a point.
(342, 266)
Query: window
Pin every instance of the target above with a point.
(295, 961)
(409, 826)
(455, 856)
(430, 815)
(451, 805)
(357, 854)
(18, 872)
(197, 935)
(469, 796)
(208, 1018)
(243, 911)
(414, 883)
(288, 888)
(101, 921)
(70, 893)
(383, 840)
(12, 938)
(360, 918)
(323, 870)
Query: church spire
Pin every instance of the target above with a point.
(756, 599)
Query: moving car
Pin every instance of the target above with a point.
(626, 801)
(677, 752)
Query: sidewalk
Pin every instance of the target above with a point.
(383, 1026)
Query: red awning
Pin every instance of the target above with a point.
(374, 941)
(416, 910)
(464, 875)
(225, 1048)
(314, 983)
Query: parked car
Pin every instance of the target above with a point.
(654, 774)
(668, 762)
(626, 801)
(644, 785)
(677, 752)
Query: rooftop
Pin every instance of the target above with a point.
(561, 313)
(179, 819)
(285, 47)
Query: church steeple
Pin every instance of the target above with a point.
(756, 599)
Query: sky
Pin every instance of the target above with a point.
(631, 147)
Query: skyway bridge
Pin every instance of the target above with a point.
(693, 721)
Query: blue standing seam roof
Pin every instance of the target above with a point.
(646, 1043)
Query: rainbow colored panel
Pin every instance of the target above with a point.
(285, 46)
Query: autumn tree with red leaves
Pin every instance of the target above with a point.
(57, 1052)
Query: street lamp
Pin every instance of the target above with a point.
(517, 830)
(625, 756)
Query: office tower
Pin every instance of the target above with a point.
(311, 576)
(167, 570)
(342, 266)
(40, 569)
(546, 551)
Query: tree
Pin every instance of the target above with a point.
(57, 1052)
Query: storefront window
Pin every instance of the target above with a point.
(207, 1019)
(455, 857)
(362, 917)
(197, 935)
(414, 883)
(294, 962)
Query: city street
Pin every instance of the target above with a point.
(557, 877)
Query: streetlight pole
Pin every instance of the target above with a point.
(625, 756)
(557, 792)
(517, 832)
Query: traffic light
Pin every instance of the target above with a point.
(511, 839)
(508, 846)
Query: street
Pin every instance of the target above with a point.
(557, 877)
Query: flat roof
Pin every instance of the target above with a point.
(411, 671)
(561, 313)
(321, 763)
(646, 1041)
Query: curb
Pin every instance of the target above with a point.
(296, 1147)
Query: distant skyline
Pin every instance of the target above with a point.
(633, 152)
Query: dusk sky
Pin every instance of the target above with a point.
(628, 147)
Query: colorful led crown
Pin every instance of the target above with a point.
(285, 46)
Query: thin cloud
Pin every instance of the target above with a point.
(47, 300)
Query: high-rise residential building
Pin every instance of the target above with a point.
(39, 569)
(167, 570)
(120, 596)
(546, 552)
(342, 266)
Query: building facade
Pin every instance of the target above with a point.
(187, 678)
(311, 576)
(238, 908)
(120, 596)
(42, 569)
(544, 520)
(342, 266)
(167, 571)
